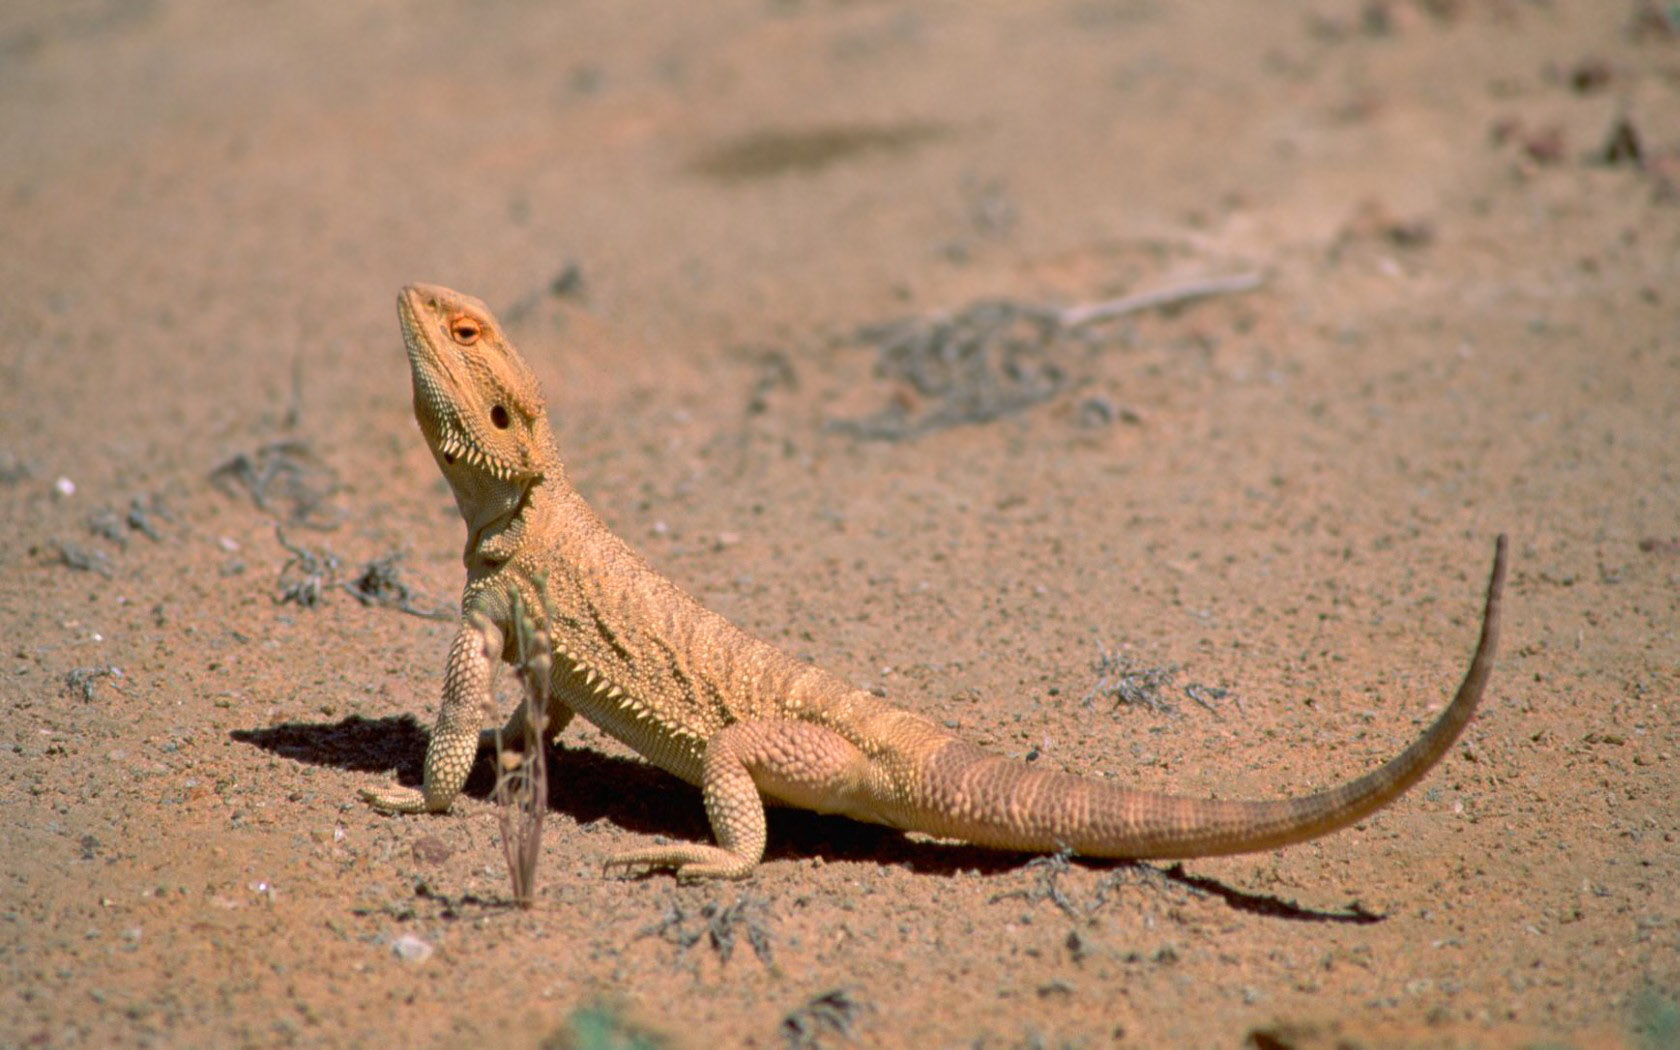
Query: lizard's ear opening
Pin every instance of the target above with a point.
(499, 417)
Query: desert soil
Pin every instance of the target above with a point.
(785, 269)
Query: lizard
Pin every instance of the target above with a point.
(734, 715)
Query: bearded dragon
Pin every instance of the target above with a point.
(732, 714)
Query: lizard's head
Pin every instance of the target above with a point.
(478, 403)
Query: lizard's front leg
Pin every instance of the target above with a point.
(798, 763)
(454, 745)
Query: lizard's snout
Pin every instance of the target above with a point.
(422, 295)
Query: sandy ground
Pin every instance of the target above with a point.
(777, 264)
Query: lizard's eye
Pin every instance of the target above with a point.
(499, 416)
(465, 330)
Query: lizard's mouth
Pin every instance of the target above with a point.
(454, 449)
(453, 441)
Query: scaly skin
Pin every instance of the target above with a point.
(734, 715)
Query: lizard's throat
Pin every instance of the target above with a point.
(496, 523)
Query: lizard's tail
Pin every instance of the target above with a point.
(994, 801)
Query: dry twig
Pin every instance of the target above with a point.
(522, 775)
(1172, 295)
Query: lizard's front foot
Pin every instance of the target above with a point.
(394, 799)
(691, 862)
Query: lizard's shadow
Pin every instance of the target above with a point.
(365, 745)
(582, 783)
(588, 785)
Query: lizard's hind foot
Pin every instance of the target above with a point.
(690, 863)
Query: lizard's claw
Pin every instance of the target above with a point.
(394, 799)
(690, 863)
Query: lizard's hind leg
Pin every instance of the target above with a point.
(512, 735)
(798, 763)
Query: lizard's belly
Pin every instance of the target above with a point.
(672, 746)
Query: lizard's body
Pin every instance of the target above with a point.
(723, 710)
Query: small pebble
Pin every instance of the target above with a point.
(430, 849)
(410, 948)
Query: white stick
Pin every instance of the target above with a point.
(1078, 316)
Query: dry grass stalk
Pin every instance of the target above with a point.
(521, 765)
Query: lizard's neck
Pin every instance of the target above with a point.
(498, 513)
